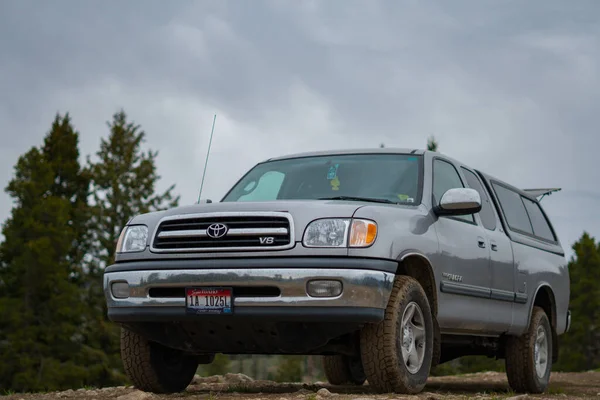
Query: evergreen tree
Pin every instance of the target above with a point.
(432, 144)
(123, 182)
(580, 347)
(45, 240)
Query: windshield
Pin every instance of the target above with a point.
(388, 177)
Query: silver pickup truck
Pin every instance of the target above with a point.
(386, 262)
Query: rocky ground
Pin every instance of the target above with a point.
(489, 385)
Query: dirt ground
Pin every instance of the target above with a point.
(488, 385)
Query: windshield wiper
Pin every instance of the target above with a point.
(356, 198)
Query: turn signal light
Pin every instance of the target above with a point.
(362, 233)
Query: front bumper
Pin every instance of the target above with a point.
(158, 294)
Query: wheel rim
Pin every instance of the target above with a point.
(413, 335)
(540, 352)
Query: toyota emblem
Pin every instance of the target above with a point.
(217, 231)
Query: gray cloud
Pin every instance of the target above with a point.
(508, 87)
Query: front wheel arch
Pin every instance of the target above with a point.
(419, 267)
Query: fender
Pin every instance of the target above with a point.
(552, 316)
(417, 272)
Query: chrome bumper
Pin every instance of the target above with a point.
(361, 288)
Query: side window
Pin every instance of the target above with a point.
(266, 188)
(513, 209)
(487, 215)
(446, 177)
(541, 228)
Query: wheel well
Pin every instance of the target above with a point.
(544, 298)
(419, 268)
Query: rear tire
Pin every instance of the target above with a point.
(344, 370)
(397, 352)
(529, 357)
(155, 368)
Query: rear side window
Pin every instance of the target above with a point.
(487, 215)
(513, 209)
(541, 227)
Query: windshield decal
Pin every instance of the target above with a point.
(406, 198)
(332, 174)
(335, 183)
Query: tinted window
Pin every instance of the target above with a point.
(540, 224)
(446, 177)
(393, 177)
(488, 218)
(266, 189)
(513, 209)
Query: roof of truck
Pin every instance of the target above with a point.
(384, 150)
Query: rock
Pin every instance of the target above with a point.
(106, 389)
(198, 380)
(237, 378)
(135, 395)
(519, 397)
(91, 392)
(323, 392)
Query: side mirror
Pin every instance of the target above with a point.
(459, 201)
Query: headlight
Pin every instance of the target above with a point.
(133, 238)
(327, 233)
(340, 232)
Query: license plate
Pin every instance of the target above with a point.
(208, 300)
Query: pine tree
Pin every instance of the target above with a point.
(432, 144)
(580, 347)
(123, 185)
(45, 240)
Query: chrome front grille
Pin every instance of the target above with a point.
(224, 232)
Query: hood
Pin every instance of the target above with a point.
(302, 211)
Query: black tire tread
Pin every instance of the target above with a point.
(136, 355)
(377, 343)
(337, 370)
(520, 365)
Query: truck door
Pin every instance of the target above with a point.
(464, 261)
(501, 259)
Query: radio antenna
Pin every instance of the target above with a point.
(212, 131)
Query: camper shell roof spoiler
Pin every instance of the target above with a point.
(541, 193)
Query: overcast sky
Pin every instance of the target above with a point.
(509, 87)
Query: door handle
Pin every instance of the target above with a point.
(481, 242)
(494, 245)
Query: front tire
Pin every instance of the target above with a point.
(155, 368)
(397, 352)
(344, 370)
(529, 357)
